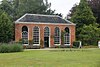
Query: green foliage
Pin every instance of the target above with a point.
(17, 8)
(20, 41)
(6, 6)
(86, 29)
(95, 6)
(83, 15)
(8, 48)
(6, 28)
(16, 48)
(76, 44)
(90, 35)
(5, 49)
(72, 11)
(29, 6)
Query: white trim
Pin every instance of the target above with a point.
(43, 23)
(42, 15)
(69, 21)
(36, 44)
(69, 38)
(39, 36)
(57, 44)
(20, 18)
(25, 44)
(67, 44)
(60, 36)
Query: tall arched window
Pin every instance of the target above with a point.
(67, 36)
(35, 35)
(46, 32)
(24, 35)
(46, 37)
(57, 36)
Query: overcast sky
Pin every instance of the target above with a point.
(62, 6)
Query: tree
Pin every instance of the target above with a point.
(17, 8)
(72, 11)
(90, 35)
(6, 6)
(95, 6)
(29, 6)
(83, 16)
(6, 26)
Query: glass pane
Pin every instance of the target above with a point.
(36, 35)
(46, 32)
(25, 37)
(66, 38)
(57, 36)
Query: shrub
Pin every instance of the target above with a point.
(5, 48)
(76, 44)
(8, 48)
(16, 48)
(20, 41)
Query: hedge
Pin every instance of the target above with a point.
(8, 48)
(76, 44)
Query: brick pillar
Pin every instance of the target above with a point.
(41, 36)
(30, 33)
(18, 32)
(52, 36)
(72, 35)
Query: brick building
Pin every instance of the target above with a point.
(44, 30)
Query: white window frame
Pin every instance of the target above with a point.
(67, 38)
(27, 37)
(49, 34)
(59, 36)
(38, 36)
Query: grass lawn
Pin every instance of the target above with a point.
(52, 58)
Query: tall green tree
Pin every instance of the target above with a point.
(95, 6)
(17, 8)
(6, 26)
(6, 6)
(71, 12)
(90, 34)
(83, 16)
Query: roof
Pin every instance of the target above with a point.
(42, 19)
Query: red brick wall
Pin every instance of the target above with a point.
(18, 31)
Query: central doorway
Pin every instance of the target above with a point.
(46, 37)
(46, 42)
